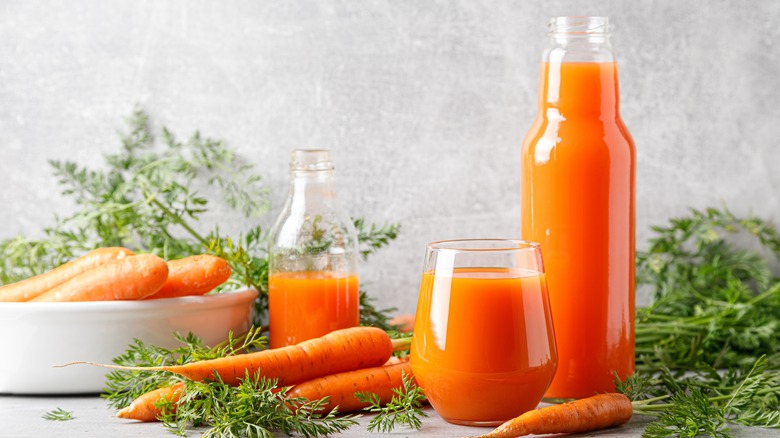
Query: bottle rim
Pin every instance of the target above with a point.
(310, 160)
(576, 25)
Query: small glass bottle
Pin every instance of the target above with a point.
(578, 202)
(313, 279)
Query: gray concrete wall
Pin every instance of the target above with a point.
(423, 103)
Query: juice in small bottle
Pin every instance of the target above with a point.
(307, 304)
(313, 280)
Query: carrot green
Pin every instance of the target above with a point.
(708, 345)
(405, 407)
(58, 414)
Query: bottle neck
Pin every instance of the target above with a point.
(579, 72)
(579, 89)
(311, 188)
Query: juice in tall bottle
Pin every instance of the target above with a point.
(313, 280)
(578, 201)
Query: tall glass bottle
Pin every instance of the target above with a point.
(578, 201)
(313, 279)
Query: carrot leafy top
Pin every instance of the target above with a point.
(405, 408)
(122, 387)
(708, 344)
(257, 407)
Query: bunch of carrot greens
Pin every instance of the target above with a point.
(122, 387)
(708, 345)
(259, 407)
(402, 409)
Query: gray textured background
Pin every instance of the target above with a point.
(423, 103)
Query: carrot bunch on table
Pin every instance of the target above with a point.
(337, 365)
(115, 273)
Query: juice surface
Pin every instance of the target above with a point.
(306, 305)
(578, 202)
(483, 348)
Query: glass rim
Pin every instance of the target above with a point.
(463, 245)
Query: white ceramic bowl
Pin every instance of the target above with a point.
(36, 336)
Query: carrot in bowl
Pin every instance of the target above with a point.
(130, 278)
(32, 287)
(341, 387)
(194, 275)
(341, 350)
(587, 414)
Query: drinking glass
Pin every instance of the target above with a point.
(483, 349)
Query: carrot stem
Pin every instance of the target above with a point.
(401, 344)
(236, 340)
(177, 219)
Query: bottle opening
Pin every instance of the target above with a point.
(579, 26)
(311, 160)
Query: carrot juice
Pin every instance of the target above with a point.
(578, 202)
(308, 304)
(483, 348)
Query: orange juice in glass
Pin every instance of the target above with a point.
(483, 349)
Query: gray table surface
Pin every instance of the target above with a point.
(20, 417)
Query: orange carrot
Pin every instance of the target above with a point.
(194, 275)
(130, 278)
(341, 387)
(395, 360)
(143, 408)
(32, 287)
(587, 414)
(338, 351)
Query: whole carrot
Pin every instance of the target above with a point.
(130, 278)
(143, 408)
(194, 275)
(338, 351)
(32, 287)
(587, 414)
(341, 387)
